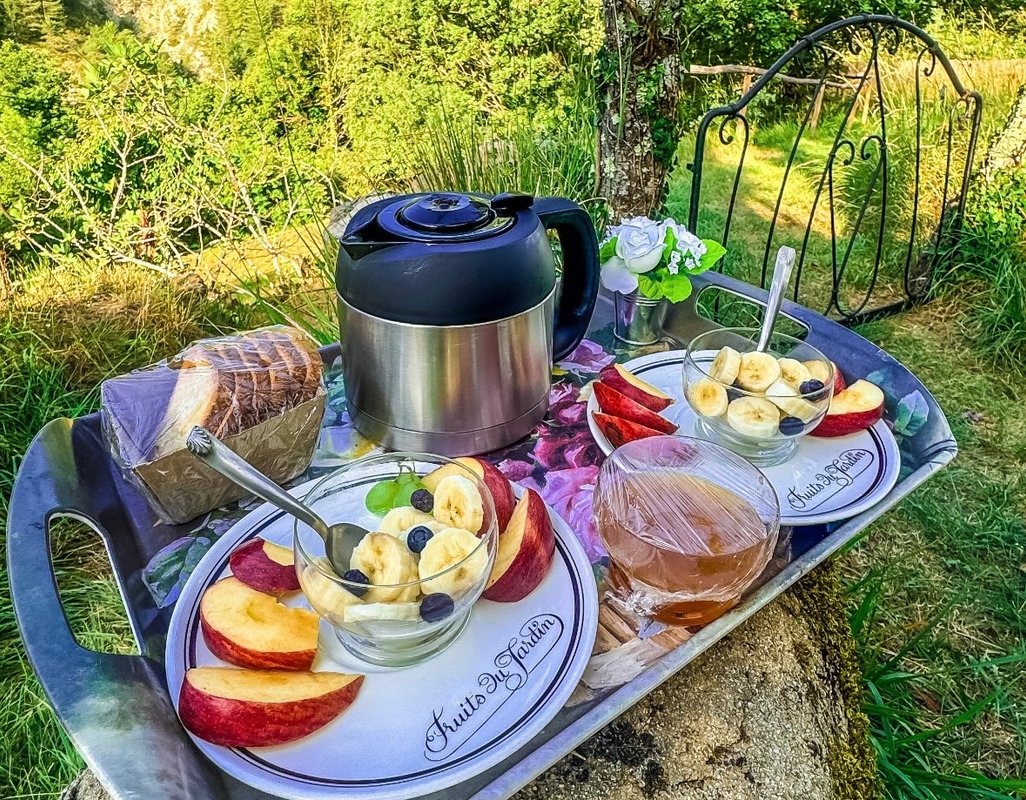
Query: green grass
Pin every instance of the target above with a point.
(937, 586)
(59, 337)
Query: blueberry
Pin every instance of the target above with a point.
(811, 386)
(418, 537)
(791, 426)
(422, 500)
(355, 576)
(435, 607)
(733, 394)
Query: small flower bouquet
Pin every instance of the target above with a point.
(656, 259)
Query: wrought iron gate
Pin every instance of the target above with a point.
(876, 222)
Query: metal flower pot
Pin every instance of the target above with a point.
(637, 319)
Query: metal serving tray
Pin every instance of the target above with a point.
(117, 709)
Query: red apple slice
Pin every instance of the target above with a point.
(619, 431)
(251, 629)
(260, 708)
(266, 567)
(497, 484)
(854, 409)
(620, 405)
(839, 383)
(636, 389)
(818, 370)
(525, 552)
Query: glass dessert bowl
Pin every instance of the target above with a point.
(758, 404)
(688, 526)
(414, 577)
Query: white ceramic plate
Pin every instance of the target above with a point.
(515, 665)
(826, 480)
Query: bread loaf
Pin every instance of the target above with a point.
(231, 384)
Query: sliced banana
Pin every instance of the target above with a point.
(819, 370)
(324, 594)
(458, 503)
(434, 525)
(758, 371)
(753, 416)
(443, 551)
(708, 397)
(399, 520)
(375, 612)
(794, 372)
(385, 561)
(785, 397)
(726, 366)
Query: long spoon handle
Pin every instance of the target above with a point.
(778, 285)
(214, 453)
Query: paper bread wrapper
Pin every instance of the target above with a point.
(260, 392)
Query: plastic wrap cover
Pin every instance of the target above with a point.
(685, 520)
(259, 391)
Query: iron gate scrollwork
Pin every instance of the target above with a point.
(862, 207)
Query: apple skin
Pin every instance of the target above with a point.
(257, 723)
(530, 563)
(495, 482)
(253, 565)
(619, 431)
(499, 486)
(858, 407)
(225, 649)
(618, 404)
(839, 383)
(636, 389)
(230, 597)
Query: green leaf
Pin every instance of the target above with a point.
(714, 251)
(608, 250)
(659, 284)
(671, 245)
(381, 496)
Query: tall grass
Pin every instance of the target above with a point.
(992, 251)
(907, 729)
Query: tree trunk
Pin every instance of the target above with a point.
(639, 125)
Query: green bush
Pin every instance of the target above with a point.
(993, 250)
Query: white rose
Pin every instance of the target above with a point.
(640, 243)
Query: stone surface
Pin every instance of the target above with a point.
(769, 713)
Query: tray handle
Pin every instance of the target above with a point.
(819, 330)
(115, 708)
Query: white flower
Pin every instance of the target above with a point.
(674, 263)
(690, 247)
(617, 278)
(640, 242)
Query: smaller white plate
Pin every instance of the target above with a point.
(827, 479)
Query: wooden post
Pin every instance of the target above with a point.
(817, 107)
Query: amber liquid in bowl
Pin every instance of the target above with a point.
(675, 533)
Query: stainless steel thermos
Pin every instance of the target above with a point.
(448, 315)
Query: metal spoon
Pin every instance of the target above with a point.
(340, 538)
(778, 285)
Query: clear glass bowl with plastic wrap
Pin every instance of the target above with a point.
(415, 576)
(757, 404)
(688, 525)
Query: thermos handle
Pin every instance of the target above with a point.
(580, 270)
